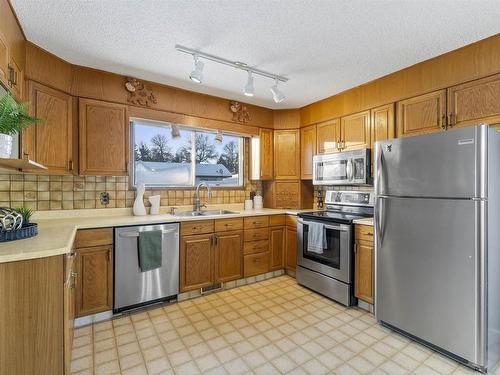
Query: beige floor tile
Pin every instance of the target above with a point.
(108, 368)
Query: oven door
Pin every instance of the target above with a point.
(335, 261)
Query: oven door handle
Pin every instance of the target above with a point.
(342, 228)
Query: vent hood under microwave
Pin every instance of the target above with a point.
(343, 168)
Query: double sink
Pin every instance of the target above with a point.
(205, 213)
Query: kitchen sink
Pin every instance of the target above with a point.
(205, 213)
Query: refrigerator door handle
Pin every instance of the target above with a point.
(379, 234)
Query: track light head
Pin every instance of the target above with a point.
(197, 73)
(278, 96)
(175, 131)
(249, 89)
(218, 137)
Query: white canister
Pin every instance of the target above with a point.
(5, 146)
(257, 202)
(248, 204)
(155, 204)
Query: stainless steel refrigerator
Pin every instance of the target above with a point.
(437, 241)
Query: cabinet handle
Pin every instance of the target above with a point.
(211, 240)
(70, 165)
(228, 225)
(453, 119)
(73, 274)
(443, 122)
(216, 240)
(72, 286)
(355, 248)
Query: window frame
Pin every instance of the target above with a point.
(193, 130)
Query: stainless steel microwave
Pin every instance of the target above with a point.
(342, 168)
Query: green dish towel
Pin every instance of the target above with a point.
(150, 254)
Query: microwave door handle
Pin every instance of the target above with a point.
(348, 169)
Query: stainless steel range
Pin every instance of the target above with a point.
(328, 268)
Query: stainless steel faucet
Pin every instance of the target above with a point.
(197, 205)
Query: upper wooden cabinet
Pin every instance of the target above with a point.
(104, 138)
(307, 151)
(474, 102)
(4, 60)
(262, 161)
(382, 126)
(422, 114)
(228, 256)
(355, 131)
(327, 136)
(50, 142)
(287, 154)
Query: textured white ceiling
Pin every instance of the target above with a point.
(323, 46)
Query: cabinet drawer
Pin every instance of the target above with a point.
(224, 225)
(256, 222)
(363, 232)
(256, 264)
(197, 227)
(256, 247)
(256, 234)
(276, 220)
(94, 237)
(291, 221)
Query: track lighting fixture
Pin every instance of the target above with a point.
(249, 89)
(218, 137)
(278, 96)
(197, 73)
(175, 131)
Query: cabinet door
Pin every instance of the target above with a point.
(4, 60)
(53, 136)
(382, 126)
(266, 154)
(104, 138)
(355, 131)
(327, 136)
(94, 292)
(422, 114)
(475, 102)
(276, 248)
(363, 271)
(69, 309)
(228, 256)
(196, 262)
(291, 248)
(286, 155)
(307, 151)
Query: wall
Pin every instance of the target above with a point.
(465, 64)
(52, 192)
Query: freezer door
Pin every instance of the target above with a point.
(450, 164)
(428, 273)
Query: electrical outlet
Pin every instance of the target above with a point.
(104, 197)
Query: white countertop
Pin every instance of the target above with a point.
(57, 230)
(364, 221)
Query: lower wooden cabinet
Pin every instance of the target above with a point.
(364, 263)
(256, 264)
(94, 289)
(69, 308)
(276, 248)
(291, 244)
(228, 256)
(196, 262)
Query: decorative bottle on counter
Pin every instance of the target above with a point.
(139, 208)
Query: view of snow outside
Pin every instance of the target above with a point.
(162, 161)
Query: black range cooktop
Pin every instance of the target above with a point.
(333, 216)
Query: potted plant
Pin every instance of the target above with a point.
(14, 118)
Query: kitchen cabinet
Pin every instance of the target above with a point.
(291, 243)
(327, 136)
(355, 131)
(422, 114)
(262, 156)
(307, 151)
(32, 317)
(4, 60)
(364, 263)
(382, 127)
(69, 308)
(104, 138)
(256, 246)
(288, 194)
(276, 248)
(475, 102)
(196, 262)
(228, 256)
(94, 265)
(287, 154)
(50, 141)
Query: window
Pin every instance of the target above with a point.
(160, 160)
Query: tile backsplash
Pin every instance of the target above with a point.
(53, 192)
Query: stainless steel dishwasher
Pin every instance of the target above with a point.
(134, 288)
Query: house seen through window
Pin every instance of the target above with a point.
(194, 155)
